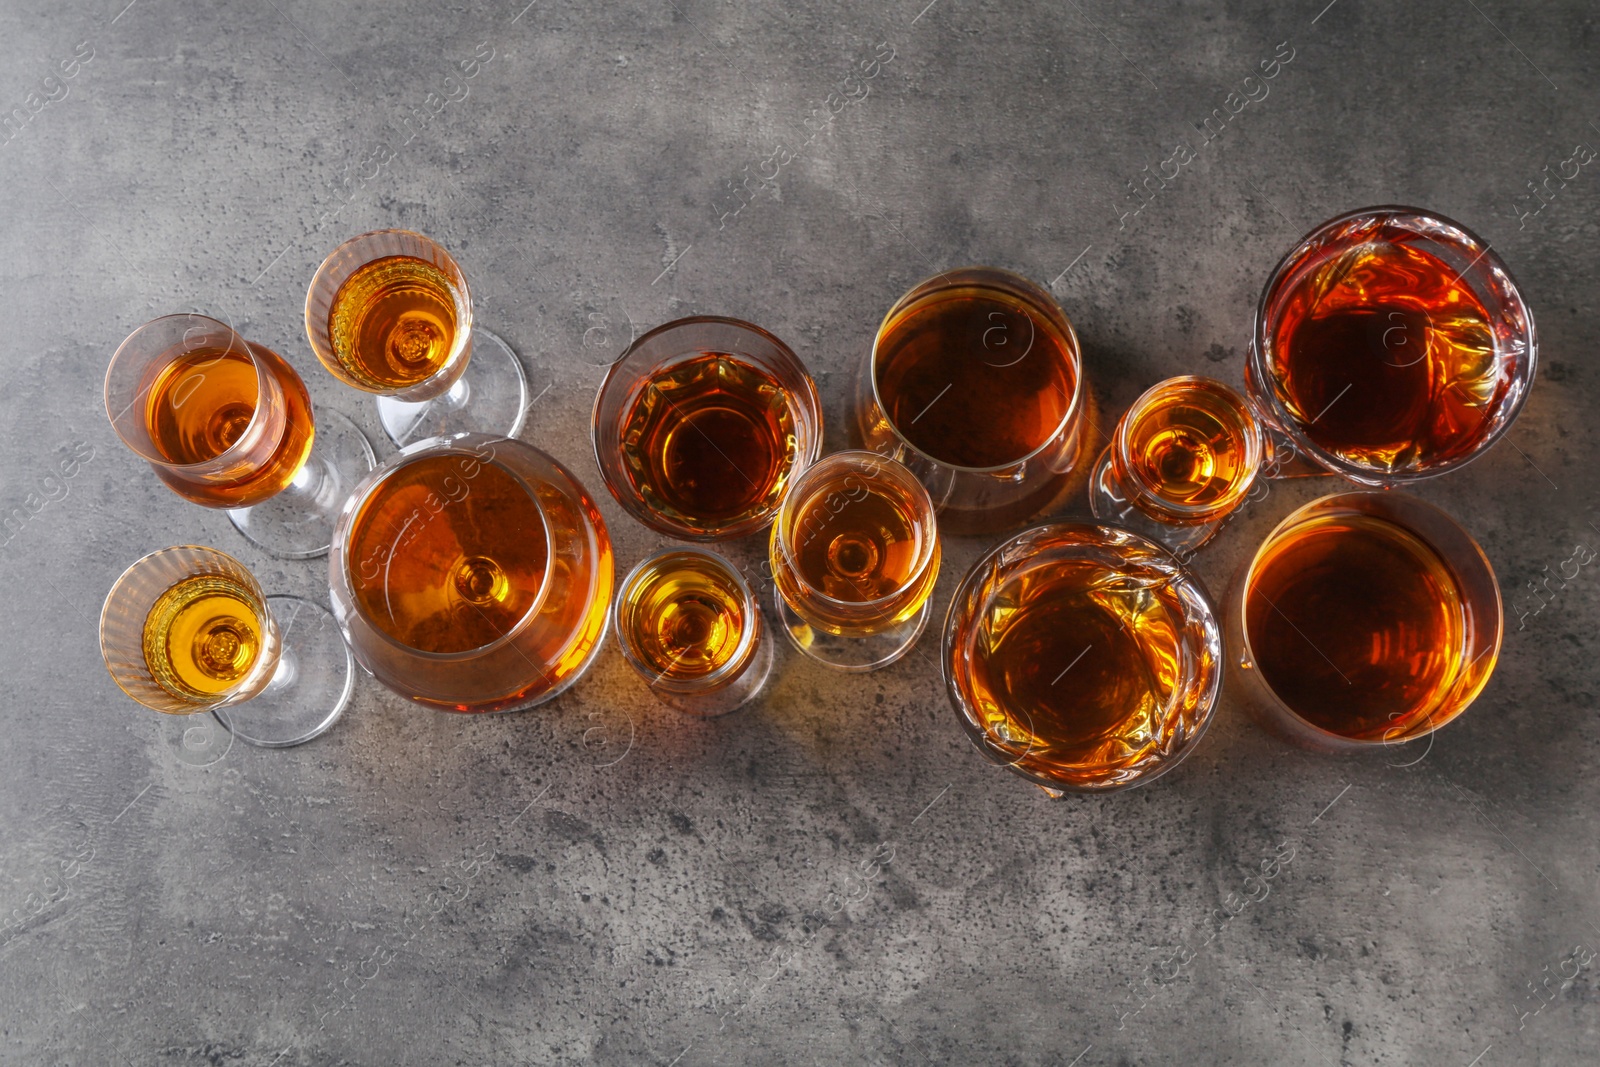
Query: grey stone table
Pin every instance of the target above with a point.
(833, 875)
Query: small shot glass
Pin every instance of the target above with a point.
(1181, 460)
(688, 623)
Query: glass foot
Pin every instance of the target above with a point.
(852, 653)
(297, 523)
(310, 687)
(1107, 504)
(491, 396)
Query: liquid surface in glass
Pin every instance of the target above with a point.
(202, 636)
(684, 616)
(1356, 624)
(393, 322)
(448, 553)
(1189, 447)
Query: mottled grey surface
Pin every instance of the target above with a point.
(604, 881)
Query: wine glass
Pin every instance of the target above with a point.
(188, 629)
(389, 312)
(227, 423)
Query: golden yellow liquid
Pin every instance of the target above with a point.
(393, 322)
(684, 616)
(203, 636)
(1188, 448)
(1074, 667)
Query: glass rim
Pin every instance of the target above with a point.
(227, 455)
(1299, 516)
(1255, 447)
(808, 413)
(750, 635)
(320, 338)
(380, 475)
(927, 552)
(1207, 671)
(1029, 288)
(1256, 359)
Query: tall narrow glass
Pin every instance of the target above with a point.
(1084, 658)
(1181, 460)
(188, 629)
(855, 555)
(226, 423)
(975, 383)
(1390, 345)
(701, 425)
(472, 573)
(690, 626)
(389, 312)
(1364, 619)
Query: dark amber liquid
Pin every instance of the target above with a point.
(684, 617)
(393, 322)
(1357, 625)
(1074, 667)
(448, 553)
(203, 401)
(857, 540)
(974, 376)
(1385, 359)
(710, 442)
(1188, 448)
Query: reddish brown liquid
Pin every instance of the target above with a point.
(710, 442)
(1356, 625)
(1385, 359)
(974, 376)
(203, 401)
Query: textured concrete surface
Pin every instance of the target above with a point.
(833, 876)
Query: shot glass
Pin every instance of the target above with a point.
(855, 555)
(1390, 345)
(975, 383)
(1084, 658)
(689, 625)
(1181, 461)
(701, 425)
(1365, 619)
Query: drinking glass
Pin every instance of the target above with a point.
(855, 555)
(1390, 345)
(1181, 461)
(692, 629)
(1364, 619)
(700, 426)
(188, 629)
(975, 383)
(389, 312)
(226, 423)
(472, 573)
(1084, 658)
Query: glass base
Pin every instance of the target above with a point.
(852, 653)
(310, 687)
(297, 523)
(1108, 504)
(491, 396)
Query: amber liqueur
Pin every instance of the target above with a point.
(857, 540)
(685, 618)
(1074, 667)
(710, 441)
(393, 322)
(202, 636)
(1386, 359)
(974, 376)
(201, 403)
(1357, 625)
(1190, 446)
(448, 554)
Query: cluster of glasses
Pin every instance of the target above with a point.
(472, 572)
